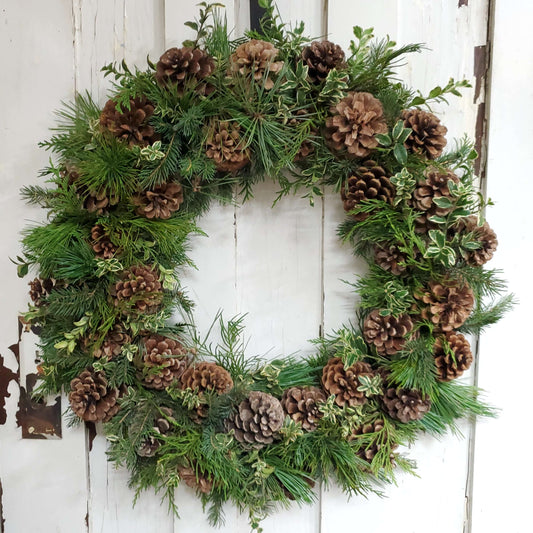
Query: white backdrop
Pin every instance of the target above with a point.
(282, 266)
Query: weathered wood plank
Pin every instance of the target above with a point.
(502, 476)
(443, 465)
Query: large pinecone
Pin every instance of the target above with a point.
(160, 202)
(165, 361)
(139, 288)
(130, 125)
(433, 187)
(389, 258)
(483, 234)
(195, 478)
(91, 398)
(454, 359)
(101, 243)
(321, 57)
(256, 59)
(41, 288)
(354, 123)
(205, 376)
(387, 333)
(427, 137)
(151, 444)
(113, 342)
(180, 66)
(301, 404)
(405, 405)
(257, 420)
(448, 304)
(370, 182)
(226, 147)
(344, 382)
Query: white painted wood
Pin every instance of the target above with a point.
(451, 33)
(502, 474)
(44, 481)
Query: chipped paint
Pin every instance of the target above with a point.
(91, 433)
(463, 3)
(479, 165)
(481, 64)
(2, 520)
(6, 376)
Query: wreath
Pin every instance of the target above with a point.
(206, 122)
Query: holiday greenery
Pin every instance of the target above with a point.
(127, 187)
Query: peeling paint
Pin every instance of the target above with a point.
(2, 520)
(91, 433)
(481, 65)
(37, 419)
(6, 376)
(463, 3)
(479, 165)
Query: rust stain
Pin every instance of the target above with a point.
(480, 140)
(463, 3)
(36, 419)
(6, 376)
(481, 64)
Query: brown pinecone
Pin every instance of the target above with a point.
(434, 186)
(195, 478)
(354, 123)
(204, 376)
(427, 137)
(368, 450)
(257, 420)
(165, 361)
(101, 243)
(483, 234)
(301, 404)
(140, 287)
(370, 182)
(113, 342)
(344, 382)
(389, 258)
(160, 202)
(448, 304)
(151, 444)
(97, 202)
(405, 405)
(41, 288)
(226, 148)
(387, 333)
(453, 360)
(321, 57)
(179, 66)
(91, 399)
(130, 125)
(256, 59)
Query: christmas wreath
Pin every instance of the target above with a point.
(128, 184)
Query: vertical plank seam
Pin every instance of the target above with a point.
(469, 489)
(76, 30)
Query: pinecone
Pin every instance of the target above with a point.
(344, 382)
(226, 147)
(448, 304)
(151, 444)
(434, 186)
(206, 376)
(368, 450)
(41, 288)
(97, 202)
(307, 147)
(130, 125)
(370, 182)
(427, 137)
(139, 288)
(387, 333)
(355, 122)
(257, 420)
(483, 234)
(255, 59)
(321, 57)
(180, 66)
(113, 342)
(165, 361)
(389, 258)
(160, 202)
(195, 478)
(301, 404)
(454, 359)
(91, 399)
(101, 243)
(405, 405)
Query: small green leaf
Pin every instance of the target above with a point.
(397, 130)
(384, 139)
(400, 153)
(443, 202)
(22, 270)
(192, 25)
(417, 100)
(437, 220)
